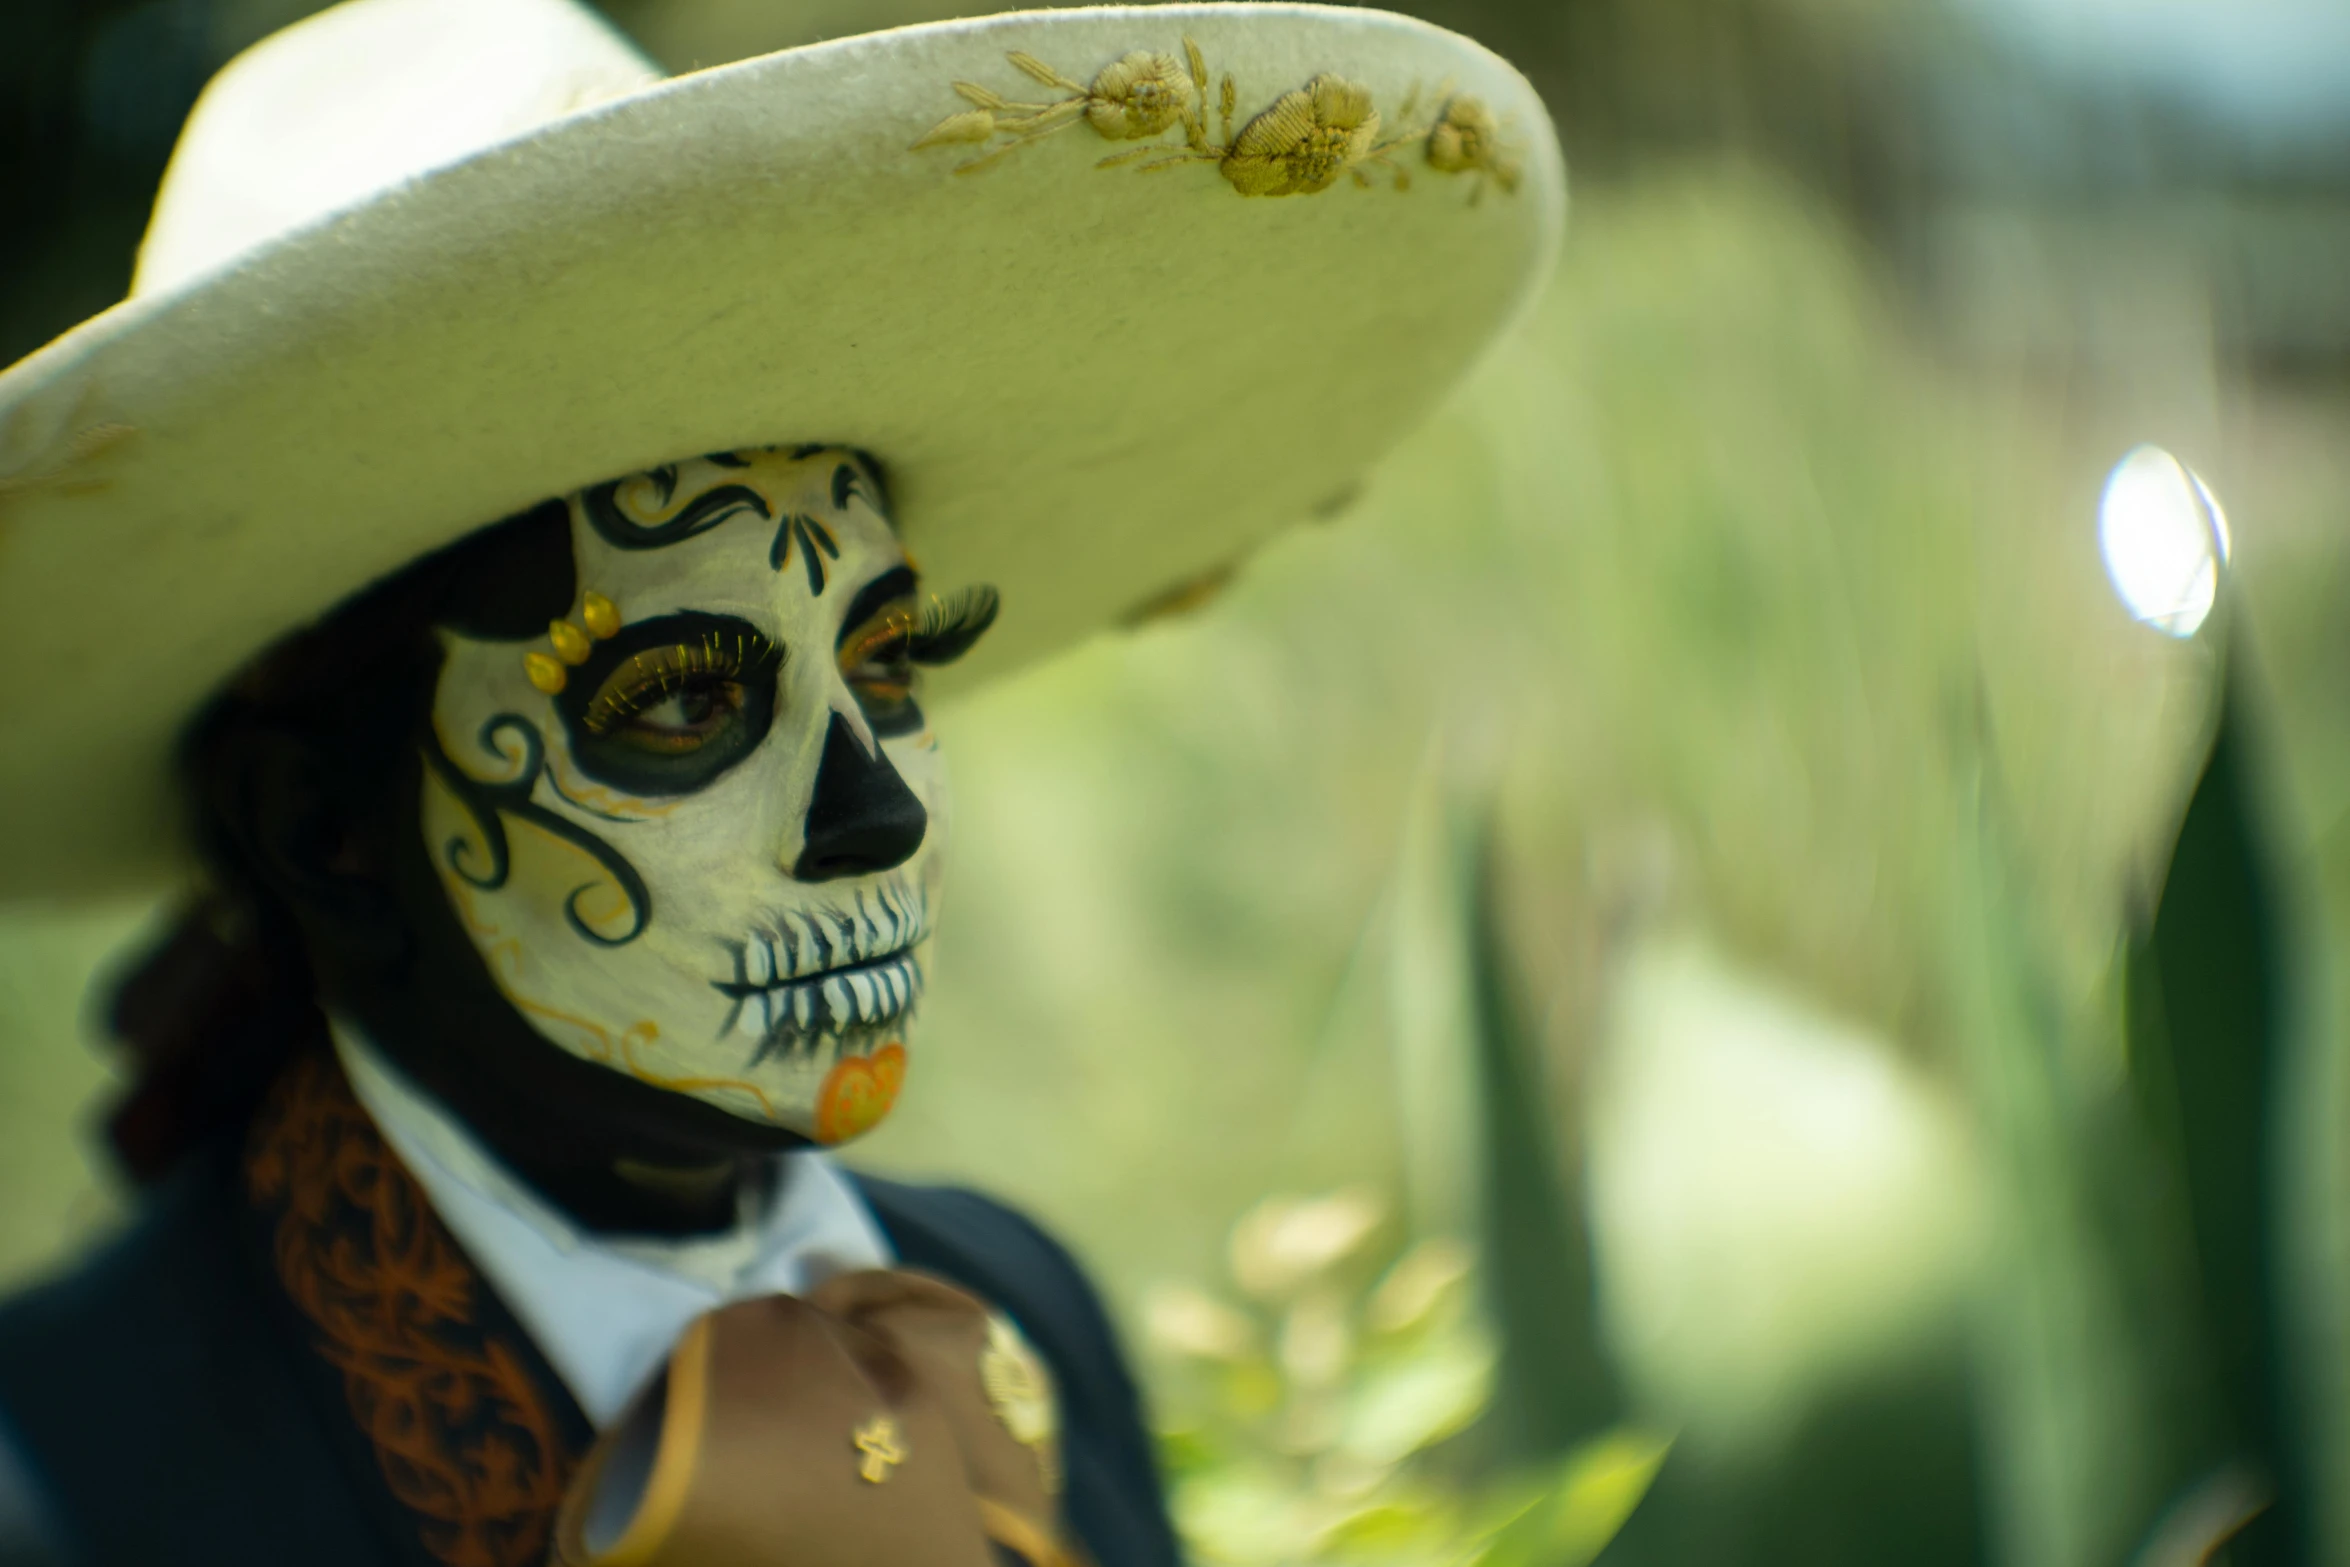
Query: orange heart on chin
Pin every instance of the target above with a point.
(858, 1092)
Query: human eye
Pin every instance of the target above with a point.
(672, 703)
(879, 657)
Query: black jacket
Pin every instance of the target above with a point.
(154, 1407)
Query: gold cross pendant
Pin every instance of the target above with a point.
(878, 1440)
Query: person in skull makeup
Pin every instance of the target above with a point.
(570, 883)
(697, 609)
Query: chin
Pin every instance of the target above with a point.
(806, 1031)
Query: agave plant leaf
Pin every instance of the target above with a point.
(1557, 1386)
(2079, 1342)
(2207, 1010)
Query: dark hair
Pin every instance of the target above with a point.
(210, 1015)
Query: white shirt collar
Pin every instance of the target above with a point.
(607, 1310)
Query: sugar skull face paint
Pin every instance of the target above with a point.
(696, 829)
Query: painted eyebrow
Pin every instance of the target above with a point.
(892, 585)
(718, 504)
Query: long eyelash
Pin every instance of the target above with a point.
(649, 678)
(943, 629)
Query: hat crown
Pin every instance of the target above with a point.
(359, 98)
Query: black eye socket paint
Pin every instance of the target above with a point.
(896, 583)
(718, 671)
(946, 628)
(890, 623)
(890, 629)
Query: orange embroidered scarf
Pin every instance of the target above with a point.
(473, 1435)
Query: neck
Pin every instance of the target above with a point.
(638, 1197)
(599, 1187)
(613, 1154)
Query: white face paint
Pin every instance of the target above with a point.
(696, 831)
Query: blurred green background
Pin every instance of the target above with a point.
(1675, 928)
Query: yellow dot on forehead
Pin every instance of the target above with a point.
(571, 643)
(544, 672)
(601, 614)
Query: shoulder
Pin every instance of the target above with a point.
(155, 1370)
(28, 1538)
(128, 1313)
(996, 1252)
(955, 1229)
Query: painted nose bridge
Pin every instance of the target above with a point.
(862, 817)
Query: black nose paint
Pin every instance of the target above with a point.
(863, 818)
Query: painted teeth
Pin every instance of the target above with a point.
(827, 1003)
(802, 944)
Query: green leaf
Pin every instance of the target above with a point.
(1556, 1383)
(1418, 1400)
(1590, 1497)
(1188, 1452)
(1246, 1514)
(1388, 1529)
(2205, 1026)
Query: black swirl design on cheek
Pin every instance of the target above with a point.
(489, 804)
(705, 511)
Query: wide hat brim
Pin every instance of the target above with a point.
(1087, 384)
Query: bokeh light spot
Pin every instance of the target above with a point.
(2164, 538)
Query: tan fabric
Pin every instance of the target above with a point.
(747, 1453)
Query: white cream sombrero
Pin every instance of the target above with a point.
(419, 263)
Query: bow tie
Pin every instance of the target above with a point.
(886, 1420)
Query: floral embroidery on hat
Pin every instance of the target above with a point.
(1301, 143)
(1139, 95)
(1467, 140)
(1305, 141)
